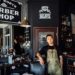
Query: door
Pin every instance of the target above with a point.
(39, 35)
(7, 38)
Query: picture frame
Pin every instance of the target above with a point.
(39, 35)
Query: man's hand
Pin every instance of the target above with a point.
(40, 59)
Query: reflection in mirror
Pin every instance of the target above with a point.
(22, 41)
(16, 37)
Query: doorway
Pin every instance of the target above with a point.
(6, 38)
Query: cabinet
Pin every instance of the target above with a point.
(70, 62)
(65, 32)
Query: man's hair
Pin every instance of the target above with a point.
(49, 35)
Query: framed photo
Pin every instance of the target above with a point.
(39, 36)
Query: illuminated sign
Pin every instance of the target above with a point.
(10, 11)
(44, 13)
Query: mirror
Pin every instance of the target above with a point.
(12, 34)
(22, 36)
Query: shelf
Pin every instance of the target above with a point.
(65, 32)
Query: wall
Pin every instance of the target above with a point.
(73, 23)
(24, 8)
(30, 9)
(33, 13)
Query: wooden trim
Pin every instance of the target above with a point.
(39, 32)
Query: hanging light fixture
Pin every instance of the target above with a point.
(25, 23)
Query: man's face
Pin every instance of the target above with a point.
(49, 39)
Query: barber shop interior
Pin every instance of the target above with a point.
(37, 37)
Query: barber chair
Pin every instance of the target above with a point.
(37, 69)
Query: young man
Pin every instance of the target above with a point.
(51, 57)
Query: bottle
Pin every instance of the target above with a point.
(10, 61)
